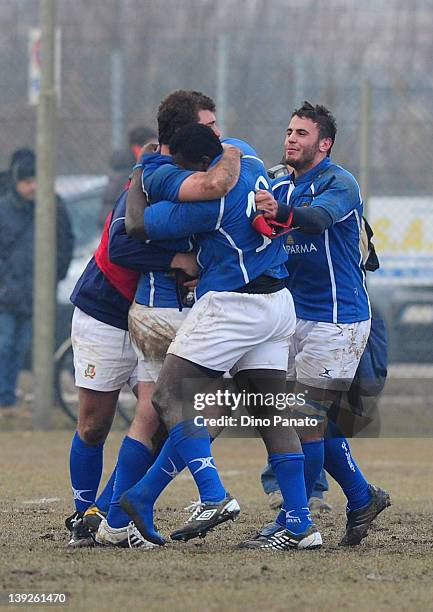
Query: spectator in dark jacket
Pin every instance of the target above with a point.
(17, 210)
(121, 163)
(5, 175)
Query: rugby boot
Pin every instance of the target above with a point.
(275, 537)
(92, 518)
(205, 517)
(359, 521)
(71, 521)
(275, 499)
(81, 536)
(139, 512)
(317, 505)
(123, 537)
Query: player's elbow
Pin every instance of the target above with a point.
(114, 253)
(134, 227)
(311, 220)
(217, 187)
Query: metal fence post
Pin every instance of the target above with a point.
(221, 81)
(45, 230)
(116, 83)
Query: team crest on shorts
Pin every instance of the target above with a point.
(90, 371)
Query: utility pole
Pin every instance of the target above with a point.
(116, 82)
(221, 81)
(45, 231)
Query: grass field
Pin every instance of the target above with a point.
(392, 569)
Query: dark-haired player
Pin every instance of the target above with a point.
(241, 323)
(327, 282)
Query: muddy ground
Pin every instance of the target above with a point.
(392, 569)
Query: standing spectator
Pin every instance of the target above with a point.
(121, 162)
(17, 209)
(5, 175)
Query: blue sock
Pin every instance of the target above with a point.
(104, 498)
(85, 466)
(144, 494)
(192, 442)
(313, 464)
(147, 490)
(340, 464)
(289, 471)
(166, 467)
(314, 456)
(132, 464)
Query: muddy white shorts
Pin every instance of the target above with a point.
(228, 332)
(152, 330)
(104, 359)
(326, 355)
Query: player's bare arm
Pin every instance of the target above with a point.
(217, 181)
(266, 202)
(136, 202)
(150, 147)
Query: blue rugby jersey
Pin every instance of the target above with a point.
(325, 272)
(106, 294)
(231, 253)
(159, 176)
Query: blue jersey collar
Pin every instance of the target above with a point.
(309, 176)
(156, 159)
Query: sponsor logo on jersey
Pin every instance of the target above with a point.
(90, 371)
(298, 249)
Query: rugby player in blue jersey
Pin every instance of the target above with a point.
(242, 323)
(104, 358)
(327, 281)
(156, 305)
(157, 311)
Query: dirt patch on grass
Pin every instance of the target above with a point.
(392, 569)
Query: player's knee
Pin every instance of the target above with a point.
(311, 434)
(92, 433)
(160, 401)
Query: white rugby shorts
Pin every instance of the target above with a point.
(228, 332)
(152, 330)
(104, 359)
(326, 355)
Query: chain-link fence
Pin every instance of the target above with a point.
(258, 60)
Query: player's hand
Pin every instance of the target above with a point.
(150, 147)
(266, 202)
(186, 262)
(231, 148)
(191, 285)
